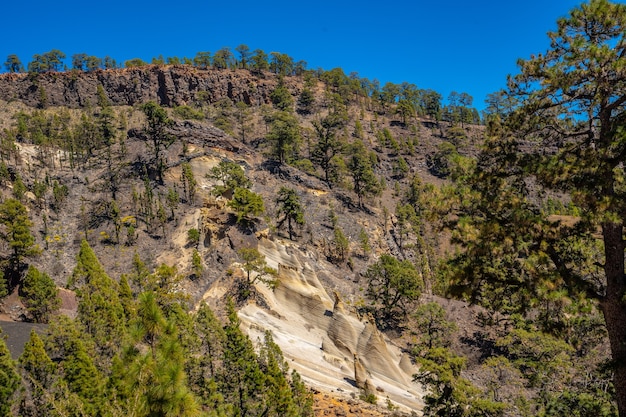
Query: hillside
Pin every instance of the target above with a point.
(85, 152)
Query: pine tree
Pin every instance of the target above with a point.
(4, 290)
(279, 397)
(246, 205)
(157, 122)
(36, 362)
(253, 262)
(231, 175)
(302, 396)
(290, 209)
(38, 372)
(204, 372)
(329, 145)
(9, 379)
(189, 182)
(393, 284)
(82, 376)
(284, 136)
(99, 307)
(153, 382)
(360, 167)
(242, 380)
(17, 234)
(40, 294)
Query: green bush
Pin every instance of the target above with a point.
(188, 113)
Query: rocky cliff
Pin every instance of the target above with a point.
(167, 85)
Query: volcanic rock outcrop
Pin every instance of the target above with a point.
(168, 85)
(326, 343)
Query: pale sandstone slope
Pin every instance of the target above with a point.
(328, 345)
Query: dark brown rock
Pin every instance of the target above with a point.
(168, 85)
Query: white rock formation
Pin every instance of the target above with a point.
(330, 347)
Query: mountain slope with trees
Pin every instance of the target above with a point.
(491, 255)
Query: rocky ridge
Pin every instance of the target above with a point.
(167, 85)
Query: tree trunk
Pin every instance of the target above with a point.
(614, 308)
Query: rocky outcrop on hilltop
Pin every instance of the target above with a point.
(168, 85)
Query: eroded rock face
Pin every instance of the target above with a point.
(322, 339)
(168, 85)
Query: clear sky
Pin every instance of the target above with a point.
(463, 46)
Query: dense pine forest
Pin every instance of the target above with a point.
(166, 223)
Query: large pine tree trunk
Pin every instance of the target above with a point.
(614, 307)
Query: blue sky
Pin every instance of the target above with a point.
(463, 46)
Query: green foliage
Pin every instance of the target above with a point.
(47, 62)
(135, 62)
(166, 363)
(568, 403)
(329, 144)
(196, 262)
(439, 163)
(82, 376)
(188, 181)
(449, 393)
(99, 307)
(17, 234)
(364, 241)
(360, 167)
(193, 236)
(289, 210)
(280, 399)
(203, 373)
(407, 222)
(303, 397)
(242, 379)
(254, 265)
(284, 136)
(222, 111)
(13, 64)
(4, 290)
(84, 62)
(281, 97)
(19, 189)
(157, 122)
(59, 193)
(39, 294)
(305, 165)
(542, 358)
(244, 55)
(223, 59)
(281, 64)
(38, 371)
(246, 204)
(231, 175)
(243, 119)
(9, 379)
(341, 245)
(400, 167)
(368, 397)
(392, 286)
(406, 110)
(306, 100)
(153, 382)
(573, 95)
(188, 113)
(165, 283)
(202, 60)
(457, 136)
(432, 328)
(259, 61)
